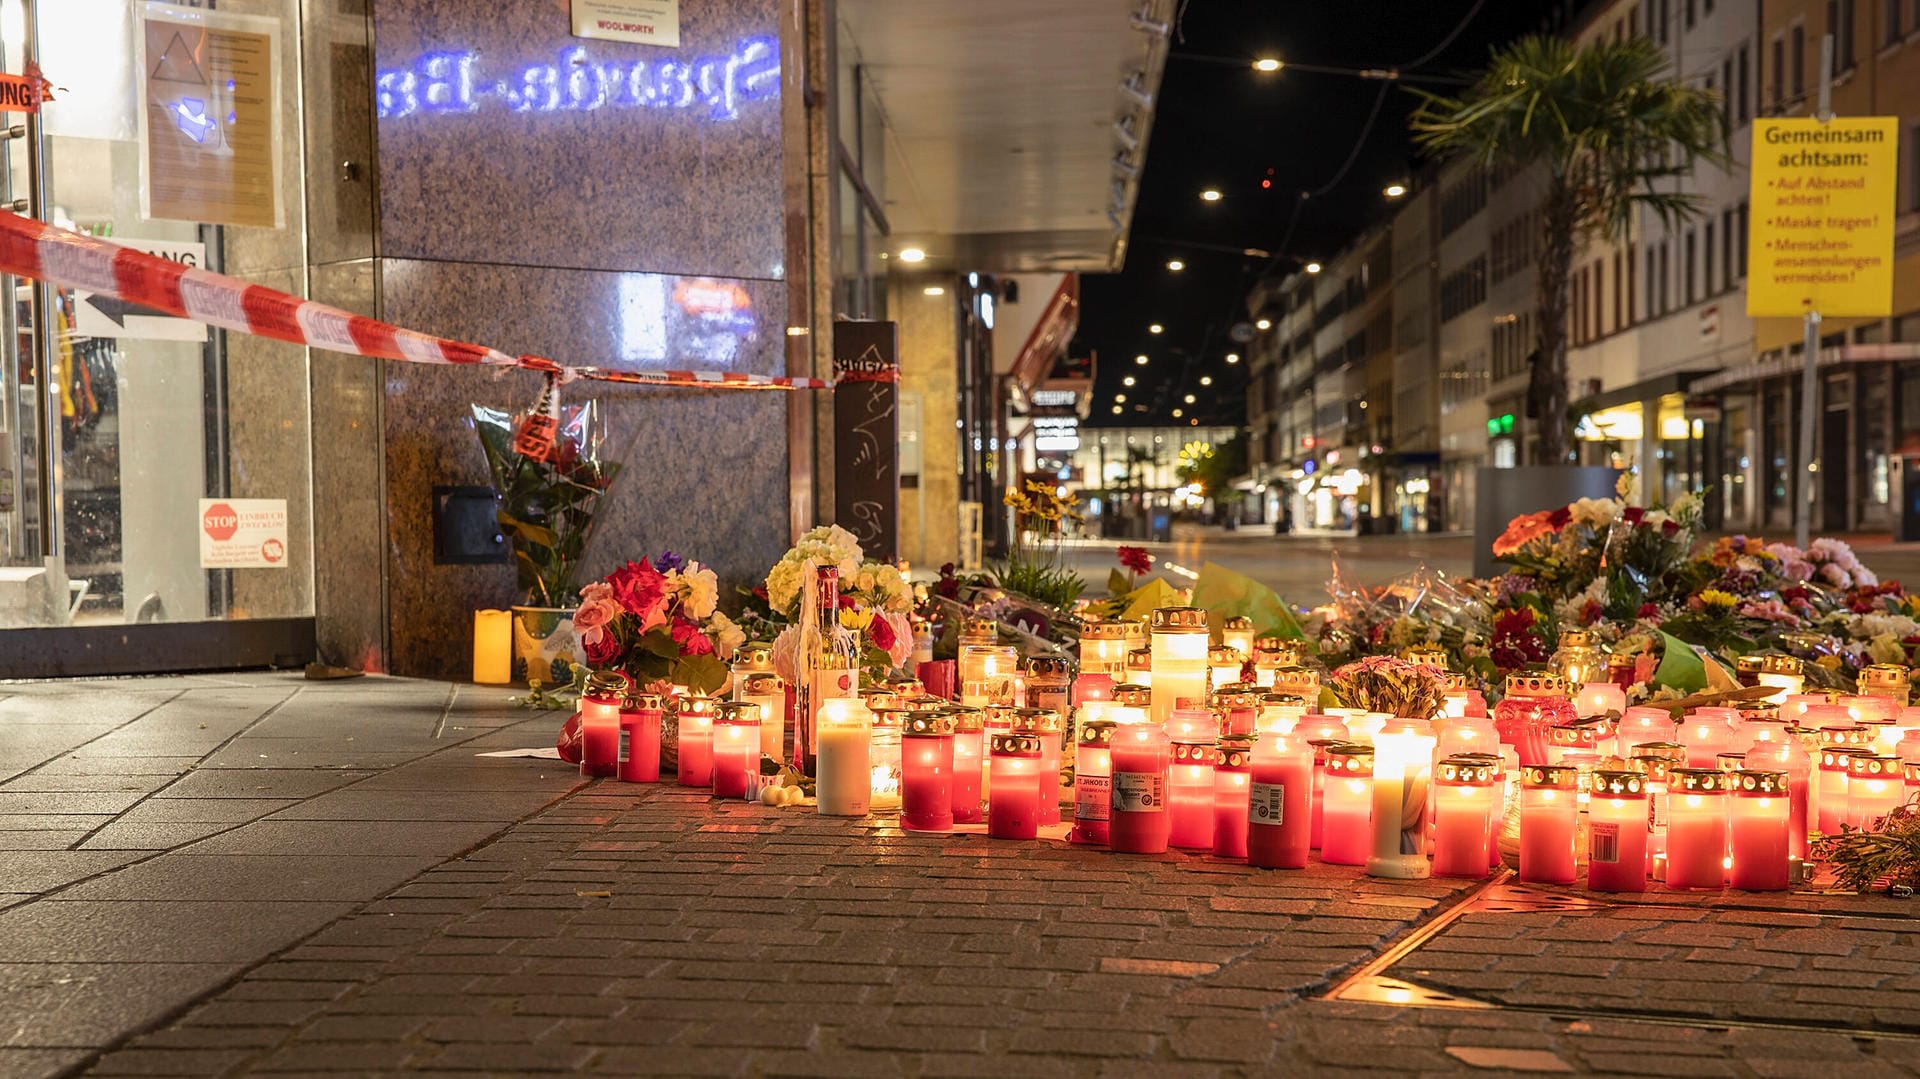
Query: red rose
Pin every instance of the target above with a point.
(642, 591)
(1648, 610)
(690, 638)
(1559, 518)
(1669, 528)
(880, 634)
(604, 650)
(1633, 515)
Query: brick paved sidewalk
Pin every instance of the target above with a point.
(647, 930)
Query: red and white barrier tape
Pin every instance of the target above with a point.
(30, 248)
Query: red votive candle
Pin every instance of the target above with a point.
(639, 757)
(1092, 686)
(1617, 832)
(969, 745)
(600, 723)
(1831, 806)
(1280, 801)
(1696, 828)
(1046, 725)
(1190, 779)
(1549, 819)
(695, 749)
(736, 748)
(1093, 782)
(1759, 818)
(1464, 797)
(926, 772)
(1642, 723)
(1139, 822)
(1231, 763)
(1875, 788)
(1239, 709)
(1013, 798)
(1347, 805)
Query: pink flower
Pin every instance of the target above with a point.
(898, 634)
(597, 609)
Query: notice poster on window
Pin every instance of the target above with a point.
(243, 533)
(644, 22)
(209, 117)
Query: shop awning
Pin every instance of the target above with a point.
(1651, 390)
(1781, 366)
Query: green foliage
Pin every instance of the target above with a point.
(1215, 467)
(546, 508)
(1860, 859)
(1038, 579)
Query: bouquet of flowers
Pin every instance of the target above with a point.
(875, 599)
(1389, 684)
(658, 622)
(547, 505)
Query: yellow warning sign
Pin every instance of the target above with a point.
(1822, 232)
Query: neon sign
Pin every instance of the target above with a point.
(449, 82)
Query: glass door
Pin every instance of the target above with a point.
(153, 470)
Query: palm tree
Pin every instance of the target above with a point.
(1608, 124)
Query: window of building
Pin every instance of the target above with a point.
(1599, 301)
(1463, 289)
(1653, 276)
(1741, 234)
(1743, 103)
(1686, 270)
(1633, 259)
(1726, 246)
(1726, 91)
(1461, 201)
(1689, 14)
(1797, 69)
(1891, 32)
(1778, 95)
(1665, 278)
(1840, 24)
(1619, 293)
(1706, 259)
(1664, 21)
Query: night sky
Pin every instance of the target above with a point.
(1220, 124)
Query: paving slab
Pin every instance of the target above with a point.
(91, 1004)
(294, 876)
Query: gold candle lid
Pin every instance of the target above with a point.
(1033, 720)
(1235, 752)
(1656, 769)
(1282, 700)
(1672, 752)
(1758, 783)
(1884, 676)
(1865, 766)
(635, 701)
(1549, 776)
(1351, 757)
(1140, 659)
(605, 686)
(1104, 629)
(738, 713)
(1177, 620)
(762, 684)
(1912, 773)
(1304, 681)
(1097, 732)
(1619, 783)
(1238, 696)
(1839, 758)
(967, 720)
(1274, 652)
(752, 658)
(1222, 656)
(1135, 696)
(1194, 752)
(1781, 663)
(979, 629)
(1049, 666)
(1014, 745)
(1698, 780)
(1237, 623)
(926, 725)
(1468, 770)
(1432, 655)
(1536, 684)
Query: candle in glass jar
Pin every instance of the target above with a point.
(926, 772)
(1190, 782)
(1013, 802)
(600, 723)
(1549, 818)
(1642, 723)
(1047, 726)
(639, 754)
(1236, 632)
(1049, 683)
(1705, 732)
(1908, 747)
(1890, 682)
(1463, 816)
(1224, 666)
(1138, 823)
(1297, 681)
(1238, 708)
(1617, 831)
(1279, 713)
(969, 755)
(1090, 687)
(886, 759)
(694, 746)
(1093, 782)
(1231, 795)
(1402, 759)
(1789, 756)
(1140, 667)
(1831, 806)
(1533, 705)
(979, 637)
(1782, 672)
(1696, 828)
(1599, 699)
(843, 784)
(1759, 822)
(768, 692)
(1179, 649)
(1346, 805)
(1279, 813)
(1103, 649)
(736, 749)
(1875, 787)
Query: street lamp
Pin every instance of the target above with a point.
(1394, 191)
(1268, 64)
(1177, 413)
(1210, 195)
(1263, 324)
(1206, 380)
(1141, 359)
(1119, 398)
(1175, 265)
(1155, 327)
(1189, 399)
(1313, 267)
(912, 254)
(1233, 357)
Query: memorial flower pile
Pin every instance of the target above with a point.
(658, 622)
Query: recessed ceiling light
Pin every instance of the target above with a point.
(1313, 267)
(1233, 357)
(1120, 398)
(1264, 324)
(1141, 359)
(1175, 265)
(1177, 413)
(1155, 328)
(1394, 191)
(1127, 381)
(1210, 195)
(1189, 399)
(1267, 63)
(912, 254)
(935, 290)
(1206, 380)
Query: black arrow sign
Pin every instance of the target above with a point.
(116, 309)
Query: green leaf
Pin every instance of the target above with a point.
(703, 673)
(1680, 666)
(1118, 584)
(1225, 594)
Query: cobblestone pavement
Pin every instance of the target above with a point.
(647, 930)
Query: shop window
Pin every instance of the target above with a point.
(1871, 408)
(1797, 70)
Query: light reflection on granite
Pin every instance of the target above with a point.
(705, 470)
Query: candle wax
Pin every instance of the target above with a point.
(1832, 808)
(1049, 779)
(1347, 837)
(735, 753)
(1546, 840)
(1092, 794)
(1190, 807)
(926, 784)
(1280, 808)
(1462, 829)
(966, 777)
(844, 770)
(1139, 823)
(1760, 845)
(599, 737)
(1230, 815)
(1013, 806)
(1697, 843)
(1617, 845)
(696, 752)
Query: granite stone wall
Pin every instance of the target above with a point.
(595, 202)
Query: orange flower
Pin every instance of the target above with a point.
(1523, 530)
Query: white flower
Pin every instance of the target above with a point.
(701, 589)
(1885, 648)
(1881, 624)
(786, 655)
(1595, 513)
(727, 637)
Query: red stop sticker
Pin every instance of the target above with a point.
(220, 521)
(273, 551)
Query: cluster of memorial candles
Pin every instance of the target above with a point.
(1171, 748)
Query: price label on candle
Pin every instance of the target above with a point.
(626, 742)
(1096, 797)
(1606, 843)
(1139, 792)
(1266, 803)
(1657, 814)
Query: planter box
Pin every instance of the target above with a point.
(1501, 494)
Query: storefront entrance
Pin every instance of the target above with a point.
(155, 474)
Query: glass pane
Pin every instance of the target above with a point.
(181, 485)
